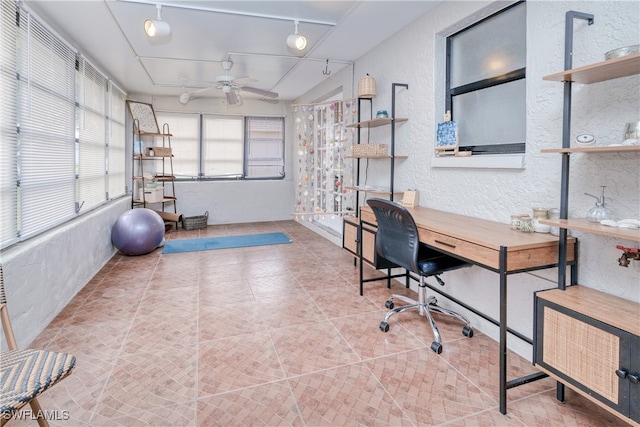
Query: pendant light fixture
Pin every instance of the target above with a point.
(296, 43)
(157, 28)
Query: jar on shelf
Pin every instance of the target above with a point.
(522, 222)
(538, 214)
(554, 214)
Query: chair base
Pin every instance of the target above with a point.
(424, 306)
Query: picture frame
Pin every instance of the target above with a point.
(144, 117)
(446, 138)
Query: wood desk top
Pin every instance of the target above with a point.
(480, 240)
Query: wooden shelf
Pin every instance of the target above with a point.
(376, 157)
(374, 123)
(582, 224)
(607, 70)
(594, 149)
(373, 190)
(138, 156)
(167, 199)
(143, 133)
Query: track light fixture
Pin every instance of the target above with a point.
(157, 28)
(297, 42)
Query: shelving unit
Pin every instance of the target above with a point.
(586, 339)
(352, 231)
(161, 168)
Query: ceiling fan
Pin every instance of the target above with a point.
(230, 86)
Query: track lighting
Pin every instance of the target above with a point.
(296, 42)
(157, 27)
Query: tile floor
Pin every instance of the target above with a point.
(275, 335)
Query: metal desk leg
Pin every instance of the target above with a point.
(503, 330)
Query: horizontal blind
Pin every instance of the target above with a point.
(116, 142)
(265, 147)
(222, 146)
(46, 140)
(91, 135)
(185, 142)
(8, 119)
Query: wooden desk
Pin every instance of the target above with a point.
(491, 245)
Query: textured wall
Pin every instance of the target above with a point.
(414, 56)
(44, 273)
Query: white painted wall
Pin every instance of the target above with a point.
(412, 56)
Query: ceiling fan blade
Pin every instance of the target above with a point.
(244, 80)
(185, 97)
(262, 92)
(233, 98)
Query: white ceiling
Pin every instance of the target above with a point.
(203, 33)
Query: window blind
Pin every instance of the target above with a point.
(8, 119)
(91, 136)
(46, 128)
(222, 146)
(116, 142)
(185, 142)
(265, 147)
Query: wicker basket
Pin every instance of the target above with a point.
(367, 87)
(195, 222)
(370, 150)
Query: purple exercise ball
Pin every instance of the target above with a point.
(138, 231)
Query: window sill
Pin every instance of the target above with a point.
(488, 161)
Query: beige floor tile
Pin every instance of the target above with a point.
(233, 363)
(362, 333)
(311, 347)
(349, 395)
(418, 376)
(270, 404)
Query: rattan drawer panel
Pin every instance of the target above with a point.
(586, 353)
(350, 237)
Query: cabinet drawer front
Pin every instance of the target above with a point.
(350, 238)
(369, 245)
(583, 352)
(479, 254)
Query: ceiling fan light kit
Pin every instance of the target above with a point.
(157, 27)
(230, 86)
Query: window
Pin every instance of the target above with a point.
(58, 140)
(211, 146)
(264, 147)
(485, 89)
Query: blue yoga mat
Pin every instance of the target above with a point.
(211, 243)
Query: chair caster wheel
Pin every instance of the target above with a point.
(384, 326)
(436, 347)
(389, 304)
(467, 331)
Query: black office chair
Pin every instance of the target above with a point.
(398, 243)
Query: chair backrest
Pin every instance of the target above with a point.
(397, 236)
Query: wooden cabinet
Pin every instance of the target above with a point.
(586, 339)
(590, 341)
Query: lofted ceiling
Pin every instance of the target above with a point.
(252, 34)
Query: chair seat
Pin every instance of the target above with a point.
(24, 374)
(432, 262)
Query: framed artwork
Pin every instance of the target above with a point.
(144, 118)
(447, 138)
